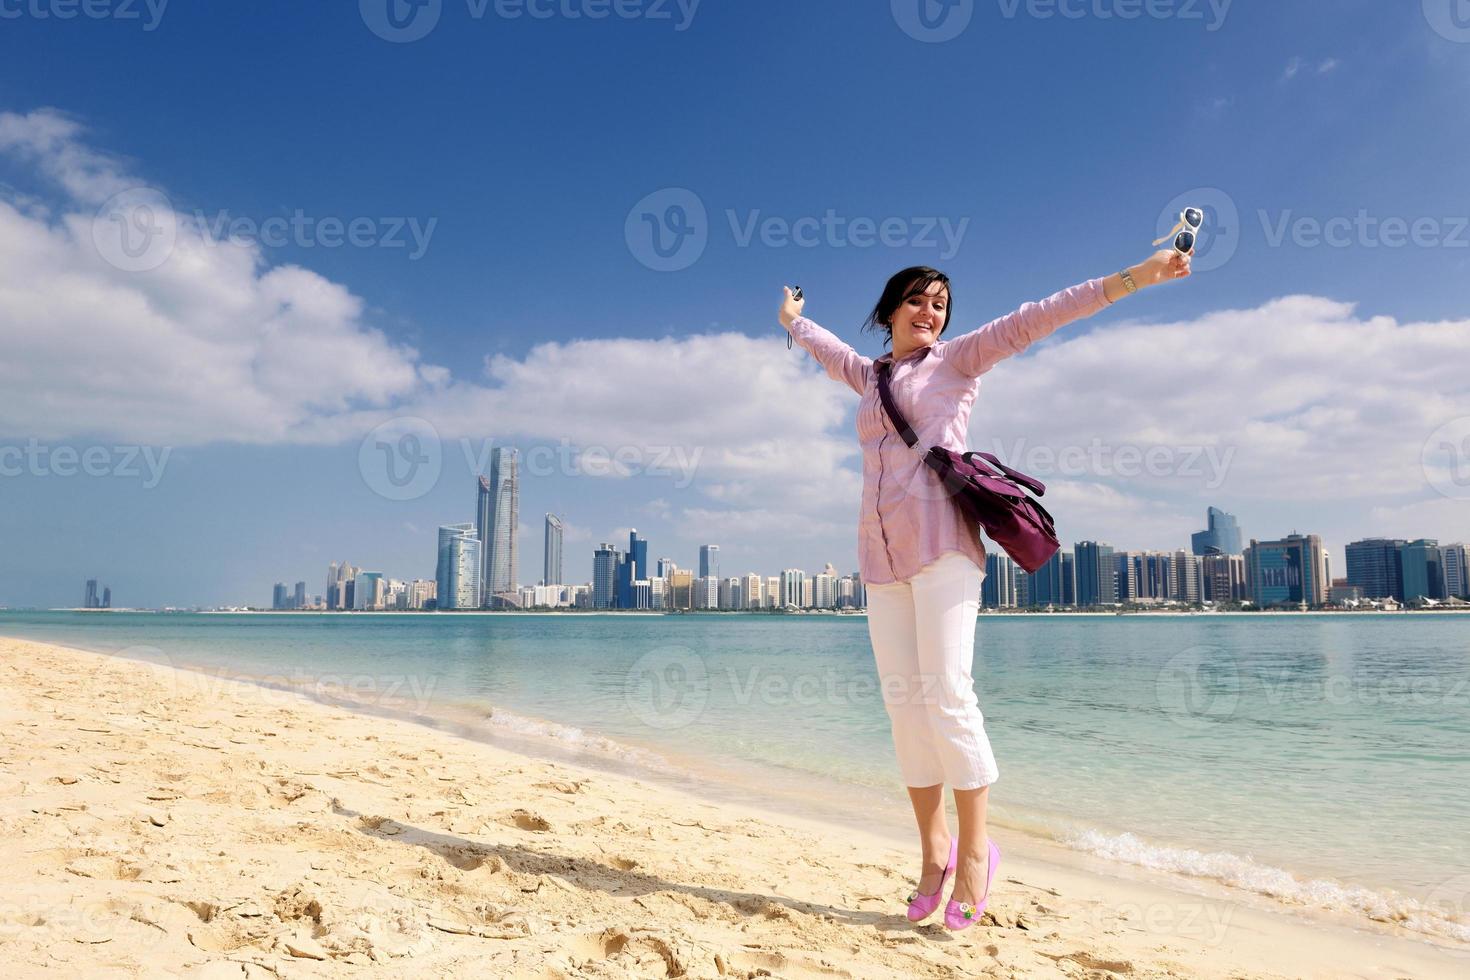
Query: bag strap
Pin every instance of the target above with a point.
(899, 422)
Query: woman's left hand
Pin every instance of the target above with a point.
(1162, 266)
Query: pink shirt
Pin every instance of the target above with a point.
(907, 518)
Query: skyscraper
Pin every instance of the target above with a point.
(1096, 574)
(278, 596)
(90, 600)
(458, 573)
(1423, 573)
(1376, 566)
(106, 597)
(551, 575)
(1289, 572)
(484, 530)
(1221, 536)
(502, 520)
(1456, 572)
(1046, 582)
(606, 563)
(298, 601)
(709, 560)
(633, 568)
(998, 590)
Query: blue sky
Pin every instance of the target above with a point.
(527, 310)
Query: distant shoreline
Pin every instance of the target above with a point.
(739, 612)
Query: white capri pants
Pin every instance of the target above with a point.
(923, 634)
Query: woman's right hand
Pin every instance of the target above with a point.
(791, 308)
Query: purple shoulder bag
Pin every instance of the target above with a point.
(988, 491)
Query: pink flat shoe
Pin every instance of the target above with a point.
(923, 906)
(962, 915)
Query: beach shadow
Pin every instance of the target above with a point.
(468, 855)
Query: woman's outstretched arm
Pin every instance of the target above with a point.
(841, 361)
(980, 350)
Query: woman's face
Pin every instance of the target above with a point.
(919, 319)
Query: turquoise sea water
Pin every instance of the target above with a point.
(1323, 759)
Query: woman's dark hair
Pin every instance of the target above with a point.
(913, 281)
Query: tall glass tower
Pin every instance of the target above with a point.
(459, 567)
(1220, 537)
(551, 575)
(505, 502)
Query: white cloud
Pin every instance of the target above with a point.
(1298, 401)
(1300, 398)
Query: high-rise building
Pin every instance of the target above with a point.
(89, 601)
(368, 591)
(1375, 565)
(503, 521)
(1096, 574)
(1423, 574)
(1220, 537)
(753, 591)
(1290, 572)
(607, 562)
(298, 600)
(824, 588)
(552, 572)
(1456, 570)
(998, 589)
(457, 578)
(709, 560)
(1046, 582)
(793, 582)
(634, 567)
(1224, 578)
(279, 596)
(485, 530)
(106, 597)
(681, 588)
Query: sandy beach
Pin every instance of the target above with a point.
(165, 823)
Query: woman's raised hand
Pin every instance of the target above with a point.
(1162, 266)
(791, 308)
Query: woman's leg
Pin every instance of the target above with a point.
(891, 629)
(946, 603)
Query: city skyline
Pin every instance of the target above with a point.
(242, 369)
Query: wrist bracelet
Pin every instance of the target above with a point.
(1128, 281)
